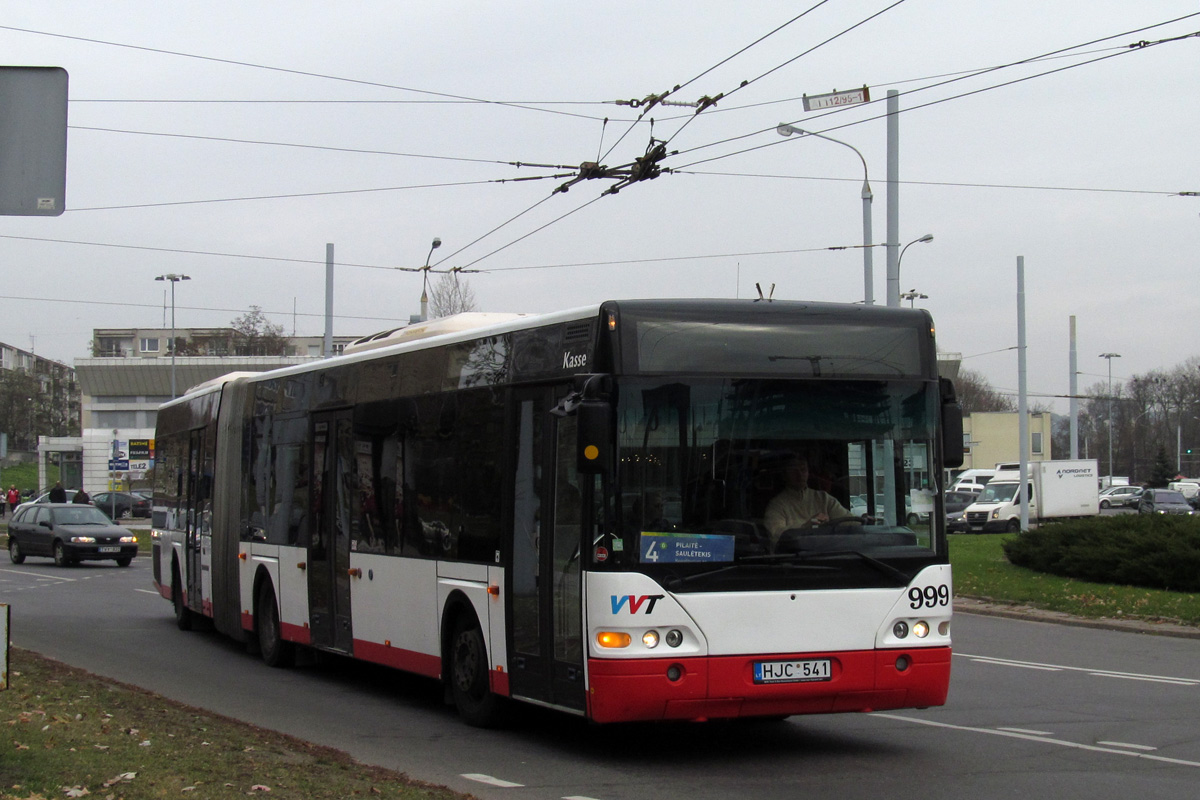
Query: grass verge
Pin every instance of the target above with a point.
(69, 733)
(981, 570)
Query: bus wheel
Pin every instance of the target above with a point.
(469, 675)
(275, 651)
(183, 614)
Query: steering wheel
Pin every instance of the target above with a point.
(789, 538)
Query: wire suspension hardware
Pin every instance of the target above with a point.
(643, 168)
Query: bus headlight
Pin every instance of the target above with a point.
(900, 629)
(650, 639)
(674, 638)
(921, 629)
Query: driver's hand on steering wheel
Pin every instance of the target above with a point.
(819, 519)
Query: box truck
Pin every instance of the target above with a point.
(1057, 490)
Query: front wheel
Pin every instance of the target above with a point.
(124, 561)
(14, 551)
(1014, 526)
(1104, 504)
(275, 651)
(469, 675)
(60, 555)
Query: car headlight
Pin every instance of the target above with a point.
(128, 539)
(83, 540)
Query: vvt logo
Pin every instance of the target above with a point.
(634, 602)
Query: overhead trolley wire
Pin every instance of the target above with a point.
(1124, 51)
(287, 71)
(814, 48)
(1061, 52)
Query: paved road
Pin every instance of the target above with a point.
(1035, 710)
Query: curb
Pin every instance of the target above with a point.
(989, 608)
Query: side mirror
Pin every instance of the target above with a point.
(952, 426)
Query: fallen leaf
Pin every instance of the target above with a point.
(258, 787)
(76, 791)
(145, 743)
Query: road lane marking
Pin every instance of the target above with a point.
(1105, 673)
(1095, 748)
(41, 575)
(1025, 730)
(1127, 744)
(1002, 663)
(1175, 681)
(147, 591)
(490, 781)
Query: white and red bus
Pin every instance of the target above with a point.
(568, 509)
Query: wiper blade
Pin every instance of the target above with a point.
(754, 561)
(882, 566)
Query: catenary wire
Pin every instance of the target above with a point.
(287, 71)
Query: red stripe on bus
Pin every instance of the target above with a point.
(398, 657)
(715, 687)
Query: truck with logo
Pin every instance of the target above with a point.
(1056, 490)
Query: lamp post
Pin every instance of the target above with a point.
(1110, 357)
(926, 238)
(912, 295)
(868, 274)
(425, 279)
(174, 279)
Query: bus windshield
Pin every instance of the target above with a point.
(709, 478)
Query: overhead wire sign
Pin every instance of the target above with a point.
(835, 99)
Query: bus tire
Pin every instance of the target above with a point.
(469, 687)
(183, 614)
(275, 651)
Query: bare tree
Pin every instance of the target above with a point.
(255, 335)
(976, 394)
(451, 295)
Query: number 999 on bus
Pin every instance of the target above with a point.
(929, 596)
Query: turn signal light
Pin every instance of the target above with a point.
(612, 639)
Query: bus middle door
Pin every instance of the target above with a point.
(546, 631)
(329, 543)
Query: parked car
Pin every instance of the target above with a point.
(121, 504)
(44, 497)
(1163, 501)
(1120, 496)
(68, 533)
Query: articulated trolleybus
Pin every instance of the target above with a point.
(568, 509)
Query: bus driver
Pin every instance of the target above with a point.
(798, 505)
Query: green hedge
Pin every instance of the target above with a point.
(1155, 551)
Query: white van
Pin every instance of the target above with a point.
(1189, 489)
(973, 479)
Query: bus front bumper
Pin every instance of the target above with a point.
(716, 687)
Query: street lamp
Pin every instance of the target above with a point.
(174, 279)
(1110, 357)
(926, 238)
(425, 279)
(912, 295)
(868, 275)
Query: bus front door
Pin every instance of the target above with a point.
(329, 539)
(545, 597)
